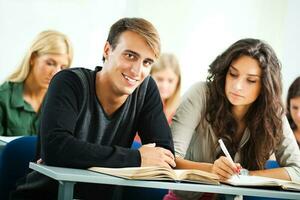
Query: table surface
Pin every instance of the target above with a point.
(81, 175)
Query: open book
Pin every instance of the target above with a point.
(262, 181)
(160, 173)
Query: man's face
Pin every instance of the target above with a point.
(128, 64)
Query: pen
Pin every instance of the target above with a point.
(225, 151)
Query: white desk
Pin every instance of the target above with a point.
(67, 177)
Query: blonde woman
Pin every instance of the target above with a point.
(166, 73)
(21, 95)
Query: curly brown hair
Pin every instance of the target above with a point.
(294, 91)
(264, 117)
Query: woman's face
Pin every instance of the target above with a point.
(44, 67)
(295, 110)
(166, 81)
(243, 82)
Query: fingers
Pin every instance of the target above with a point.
(166, 152)
(224, 168)
(156, 156)
(167, 156)
(239, 167)
(229, 166)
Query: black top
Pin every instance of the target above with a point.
(76, 132)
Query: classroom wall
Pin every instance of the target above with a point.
(195, 30)
(290, 57)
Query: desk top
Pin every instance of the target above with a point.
(80, 175)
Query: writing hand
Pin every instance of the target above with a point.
(224, 168)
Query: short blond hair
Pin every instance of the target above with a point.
(46, 42)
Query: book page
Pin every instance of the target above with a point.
(242, 180)
(139, 173)
(159, 173)
(196, 176)
(291, 186)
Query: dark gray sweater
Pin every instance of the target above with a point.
(76, 132)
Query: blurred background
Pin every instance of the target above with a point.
(196, 31)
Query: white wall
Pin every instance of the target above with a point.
(291, 43)
(196, 31)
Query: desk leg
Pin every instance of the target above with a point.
(65, 190)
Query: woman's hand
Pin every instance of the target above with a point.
(224, 168)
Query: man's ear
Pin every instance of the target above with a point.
(106, 50)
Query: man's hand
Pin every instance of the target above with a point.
(156, 156)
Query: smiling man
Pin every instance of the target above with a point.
(89, 118)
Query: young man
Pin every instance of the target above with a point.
(89, 118)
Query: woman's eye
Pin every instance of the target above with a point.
(233, 74)
(160, 79)
(171, 81)
(252, 81)
(50, 63)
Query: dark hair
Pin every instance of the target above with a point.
(294, 91)
(263, 118)
(138, 25)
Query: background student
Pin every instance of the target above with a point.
(22, 94)
(90, 118)
(293, 108)
(166, 73)
(240, 103)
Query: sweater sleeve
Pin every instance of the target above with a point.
(187, 117)
(60, 144)
(153, 126)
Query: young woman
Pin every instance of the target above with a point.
(166, 73)
(240, 103)
(22, 94)
(293, 108)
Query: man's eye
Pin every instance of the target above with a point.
(147, 63)
(129, 56)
